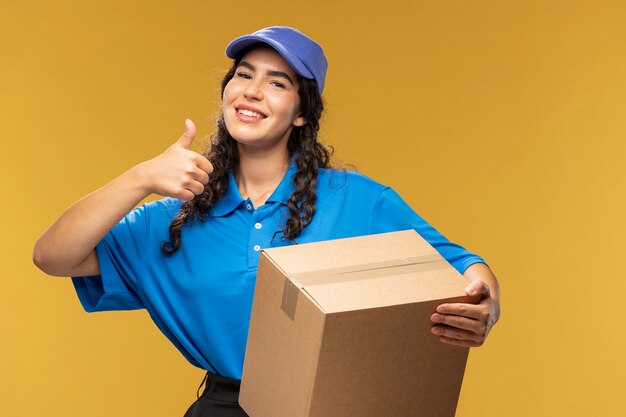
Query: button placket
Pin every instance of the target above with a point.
(256, 235)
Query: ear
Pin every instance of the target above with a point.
(299, 121)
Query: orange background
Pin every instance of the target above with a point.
(501, 122)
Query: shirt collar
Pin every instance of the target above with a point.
(232, 198)
(285, 189)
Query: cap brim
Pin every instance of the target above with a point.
(234, 49)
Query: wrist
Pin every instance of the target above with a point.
(139, 179)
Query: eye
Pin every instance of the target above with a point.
(244, 75)
(277, 84)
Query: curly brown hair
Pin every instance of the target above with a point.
(310, 155)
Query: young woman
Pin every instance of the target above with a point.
(190, 259)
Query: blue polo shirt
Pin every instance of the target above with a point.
(201, 296)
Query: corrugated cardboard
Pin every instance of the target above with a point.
(342, 329)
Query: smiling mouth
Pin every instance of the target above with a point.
(251, 113)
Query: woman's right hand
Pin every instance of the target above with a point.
(67, 247)
(178, 172)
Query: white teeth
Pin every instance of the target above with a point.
(250, 113)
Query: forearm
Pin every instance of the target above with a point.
(67, 247)
(73, 236)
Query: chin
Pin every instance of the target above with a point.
(245, 139)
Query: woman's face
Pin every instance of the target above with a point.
(261, 104)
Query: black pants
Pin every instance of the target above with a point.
(219, 398)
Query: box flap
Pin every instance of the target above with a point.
(331, 254)
(369, 271)
(394, 286)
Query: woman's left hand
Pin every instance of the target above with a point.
(467, 324)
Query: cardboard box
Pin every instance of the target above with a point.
(342, 329)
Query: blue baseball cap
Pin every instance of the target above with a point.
(304, 55)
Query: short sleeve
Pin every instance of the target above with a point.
(120, 255)
(392, 214)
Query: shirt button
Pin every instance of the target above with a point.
(256, 248)
(249, 207)
(258, 226)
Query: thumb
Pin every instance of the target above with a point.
(190, 133)
(478, 288)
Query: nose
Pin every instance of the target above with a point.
(253, 90)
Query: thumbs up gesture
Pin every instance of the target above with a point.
(190, 133)
(178, 172)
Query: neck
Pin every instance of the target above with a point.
(260, 173)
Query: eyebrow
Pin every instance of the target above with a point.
(270, 73)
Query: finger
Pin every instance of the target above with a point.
(474, 311)
(463, 343)
(185, 195)
(478, 287)
(455, 333)
(200, 176)
(459, 322)
(195, 187)
(203, 164)
(190, 133)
